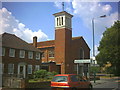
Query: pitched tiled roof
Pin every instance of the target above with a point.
(46, 44)
(51, 43)
(12, 41)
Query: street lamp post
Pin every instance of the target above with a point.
(93, 19)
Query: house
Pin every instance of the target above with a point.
(19, 59)
(59, 54)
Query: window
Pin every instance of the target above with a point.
(1, 68)
(57, 21)
(29, 69)
(10, 68)
(74, 78)
(22, 54)
(37, 67)
(51, 54)
(37, 56)
(30, 55)
(3, 51)
(12, 52)
(60, 79)
(62, 20)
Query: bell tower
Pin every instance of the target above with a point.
(63, 39)
(63, 20)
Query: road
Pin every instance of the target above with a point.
(107, 84)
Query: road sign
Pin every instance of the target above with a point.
(82, 61)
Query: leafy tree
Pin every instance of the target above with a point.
(109, 48)
(94, 69)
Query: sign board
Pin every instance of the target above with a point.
(82, 61)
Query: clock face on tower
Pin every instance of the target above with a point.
(63, 20)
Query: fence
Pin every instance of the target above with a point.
(14, 82)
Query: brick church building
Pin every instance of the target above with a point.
(59, 54)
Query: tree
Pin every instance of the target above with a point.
(109, 48)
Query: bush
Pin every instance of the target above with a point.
(43, 74)
(40, 74)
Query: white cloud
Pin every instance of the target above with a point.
(11, 25)
(88, 10)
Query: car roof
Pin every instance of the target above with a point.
(65, 74)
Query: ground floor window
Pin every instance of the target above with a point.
(29, 69)
(1, 68)
(37, 67)
(10, 68)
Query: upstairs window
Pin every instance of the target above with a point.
(10, 68)
(3, 51)
(37, 56)
(51, 54)
(22, 54)
(12, 52)
(30, 55)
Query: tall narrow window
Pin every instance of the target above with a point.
(10, 68)
(57, 21)
(22, 54)
(37, 56)
(1, 68)
(62, 20)
(12, 52)
(29, 69)
(37, 67)
(3, 51)
(30, 55)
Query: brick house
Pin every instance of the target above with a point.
(59, 54)
(19, 59)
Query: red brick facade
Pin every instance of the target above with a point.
(20, 65)
(65, 48)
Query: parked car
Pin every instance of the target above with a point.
(69, 81)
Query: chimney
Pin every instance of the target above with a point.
(35, 41)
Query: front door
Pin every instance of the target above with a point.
(21, 71)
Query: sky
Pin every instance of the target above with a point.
(29, 19)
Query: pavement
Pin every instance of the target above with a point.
(104, 81)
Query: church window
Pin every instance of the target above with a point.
(57, 21)
(62, 20)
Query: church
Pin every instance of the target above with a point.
(58, 55)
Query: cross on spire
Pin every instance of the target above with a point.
(63, 6)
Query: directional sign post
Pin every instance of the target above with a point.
(83, 61)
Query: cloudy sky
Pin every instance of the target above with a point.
(29, 19)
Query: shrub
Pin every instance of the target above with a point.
(40, 74)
